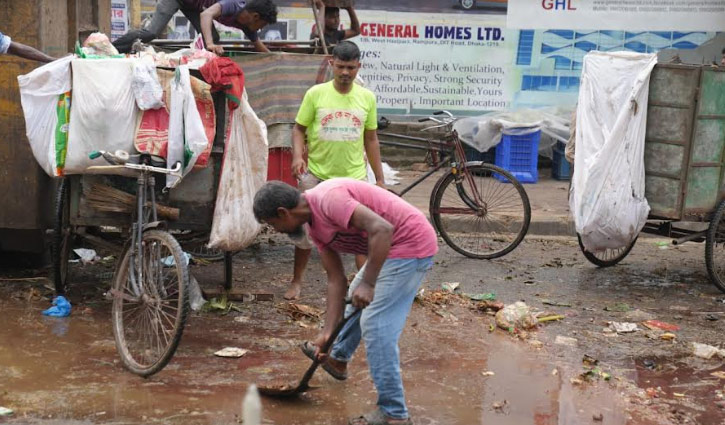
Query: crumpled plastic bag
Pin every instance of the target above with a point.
(99, 44)
(515, 316)
(146, 86)
(61, 308)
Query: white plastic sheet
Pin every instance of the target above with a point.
(41, 92)
(244, 171)
(103, 111)
(607, 197)
(146, 86)
(187, 137)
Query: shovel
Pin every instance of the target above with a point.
(290, 389)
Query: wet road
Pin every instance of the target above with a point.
(67, 370)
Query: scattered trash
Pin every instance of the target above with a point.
(499, 406)
(652, 392)
(678, 394)
(719, 374)
(242, 319)
(490, 296)
(594, 373)
(549, 318)
(450, 286)
(649, 364)
(61, 307)
(536, 344)
(221, 304)
(618, 307)
(565, 340)
(712, 318)
(487, 373)
(706, 351)
(662, 244)
(515, 316)
(589, 360)
(300, 311)
(4, 411)
(86, 255)
(555, 303)
(598, 417)
(196, 300)
(656, 324)
(668, 336)
(623, 327)
(489, 306)
(232, 352)
(638, 316)
(170, 262)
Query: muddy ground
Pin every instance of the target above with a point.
(457, 368)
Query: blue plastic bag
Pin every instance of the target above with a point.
(61, 308)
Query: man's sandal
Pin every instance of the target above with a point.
(309, 349)
(376, 418)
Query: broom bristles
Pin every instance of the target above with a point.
(102, 197)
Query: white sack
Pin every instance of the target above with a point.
(40, 92)
(146, 87)
(607, 195)
(103, 111)
(187, 137)
(244, 171)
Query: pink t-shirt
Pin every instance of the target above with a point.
(332, 203)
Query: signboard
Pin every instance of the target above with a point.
(119, 18)
(629, 15)
(417, 63)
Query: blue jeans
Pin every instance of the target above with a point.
(380, 326)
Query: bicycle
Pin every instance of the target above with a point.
(151, 280)
(480, 210)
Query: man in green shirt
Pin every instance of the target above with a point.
(339, 120)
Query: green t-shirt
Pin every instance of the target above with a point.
(336, 124)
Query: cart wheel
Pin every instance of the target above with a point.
(715, 248)
(62, 237)
(149, 316)
(608, 257)
(467, 4)
(486, 231)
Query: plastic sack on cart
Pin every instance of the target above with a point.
(187, 137)
(607, 196)
(45, 95)
(485, 131)
(152, 130)
(146, 87)
(103, 113)
(244, 171)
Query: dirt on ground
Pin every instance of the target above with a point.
(458, 366)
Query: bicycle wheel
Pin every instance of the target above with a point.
(62, 237)
(149, 316)
(608, 257)
(715, 248)
(485, 216)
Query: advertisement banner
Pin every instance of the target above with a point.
(629, 15)
(418, 63)
(119, 19)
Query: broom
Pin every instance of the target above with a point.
(105, 198)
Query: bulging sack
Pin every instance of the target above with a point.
(244, 171)
(45, 95)
(103, 112)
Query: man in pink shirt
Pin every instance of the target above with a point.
(347, 216)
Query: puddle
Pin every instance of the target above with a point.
(68, 369)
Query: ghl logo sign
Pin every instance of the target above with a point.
(558, 4)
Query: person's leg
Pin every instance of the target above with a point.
(350, 335)
(303, 246)
(302, 257)
(165, 10)
(382, 323)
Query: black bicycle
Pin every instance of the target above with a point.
(479, 209)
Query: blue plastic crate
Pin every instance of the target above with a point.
(519, 155)
(560, 167)
(473, 155)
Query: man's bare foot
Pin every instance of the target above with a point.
(293, 292)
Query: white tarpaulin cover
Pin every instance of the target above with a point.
(607, 195)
